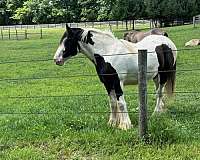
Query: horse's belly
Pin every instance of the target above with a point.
(127, 67)
(132, 79)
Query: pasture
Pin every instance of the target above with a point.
(52, 112)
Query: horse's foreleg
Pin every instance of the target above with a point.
(122, 114)
(159, 99)
(113, 109)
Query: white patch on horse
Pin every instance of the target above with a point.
(59, 54)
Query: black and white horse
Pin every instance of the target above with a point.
(116, 68)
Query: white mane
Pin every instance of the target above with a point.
(96, 32)
(105, 43)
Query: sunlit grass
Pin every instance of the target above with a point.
(75, 127)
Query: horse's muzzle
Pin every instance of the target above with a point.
(59, 62)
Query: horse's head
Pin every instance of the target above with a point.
(69, 45)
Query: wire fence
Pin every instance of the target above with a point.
(98, 24)
(77, 75)
(16, 34)
(84, 57)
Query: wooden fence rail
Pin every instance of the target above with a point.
(17, 34)
(117, 24)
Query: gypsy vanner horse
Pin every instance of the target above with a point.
(116, 63)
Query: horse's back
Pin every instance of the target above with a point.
(152, 41)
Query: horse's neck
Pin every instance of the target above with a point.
(103, 45)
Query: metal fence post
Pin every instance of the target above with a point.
(26, 34)
(41, 34)
(194, 21)
(9, 33)
(142, 86)
(2, 34)
(16, 34)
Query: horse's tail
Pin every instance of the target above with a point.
(167, 68)
(171, 79)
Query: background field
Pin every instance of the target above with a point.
(75, 127)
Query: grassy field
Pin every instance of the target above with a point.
(75, 127)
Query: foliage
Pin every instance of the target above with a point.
(128, 9)
(89, 10)
(166, 11)
(55, 11)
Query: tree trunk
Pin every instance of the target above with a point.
(133, 24)
(126, 24)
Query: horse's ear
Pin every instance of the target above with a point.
(68, 29)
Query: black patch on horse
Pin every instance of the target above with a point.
(88, 38)
(166, 67)
(108, 76)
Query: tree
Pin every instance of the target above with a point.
(106, 7)
(3, 18)
(128, 10)
(47, 11)
(89, 9)
(187, 9)
(166, 11)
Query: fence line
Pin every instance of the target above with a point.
(8, 35)
(92, 95)
(91, 75)
(100, 24)
(87, 112)
(84, 57)
(117, 24)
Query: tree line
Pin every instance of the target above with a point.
(60, 11)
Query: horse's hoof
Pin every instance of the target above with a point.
(112, 122)
(125, 126)
(157, 112)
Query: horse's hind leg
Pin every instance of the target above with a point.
(159, 99)
(156, 82)
(159, 94)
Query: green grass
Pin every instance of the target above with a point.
(66, 133)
